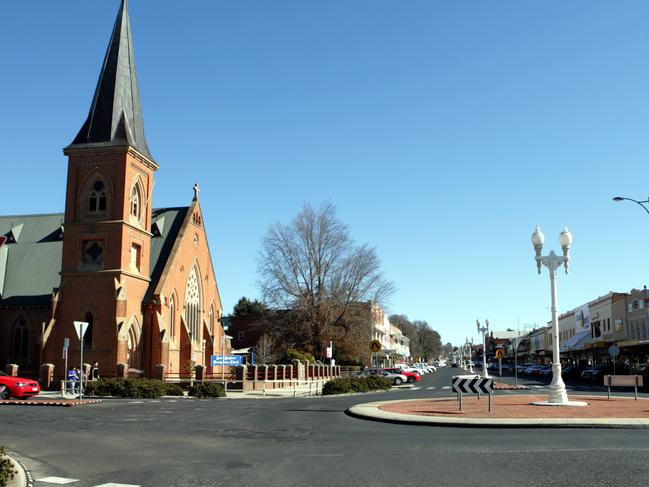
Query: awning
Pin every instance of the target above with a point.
(577, 342)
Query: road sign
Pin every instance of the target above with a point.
(80, 327)
(472, 384)
(230, 360)
(614, 350)
(500, 353)
(375, 346)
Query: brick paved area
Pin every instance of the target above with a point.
(520, 407)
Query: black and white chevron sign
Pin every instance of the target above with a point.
(472, 384)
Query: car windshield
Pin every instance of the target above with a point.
(3, 374)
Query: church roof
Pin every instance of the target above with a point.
(115, 116)
(30, 263)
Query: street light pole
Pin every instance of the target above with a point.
(484, 330)
(553, 261)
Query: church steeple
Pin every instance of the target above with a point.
(115, 116)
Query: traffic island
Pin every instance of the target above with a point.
(510, 412)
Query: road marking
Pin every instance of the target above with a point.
(57, 480)
(446, 387)
(430, 388)
(415, 388)
(117, 485)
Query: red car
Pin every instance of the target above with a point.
(412, 376)
(17, 387)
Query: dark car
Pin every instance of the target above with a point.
(18, 387)
(572, 371)
(597, 373)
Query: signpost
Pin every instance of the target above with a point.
(614, 351)
(226, 361)
(375, 347)
(468, 384)
(66, 345)
(500, 353)
(80, 327)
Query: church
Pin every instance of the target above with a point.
(142, 278)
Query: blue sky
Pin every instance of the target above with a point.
(443, 132)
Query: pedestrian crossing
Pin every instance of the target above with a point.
(65, 481)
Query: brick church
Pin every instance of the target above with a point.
(142, 278)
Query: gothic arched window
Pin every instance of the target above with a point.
(20, 347)
(136, 203)
(193, 306)
(97, 199)
(87, 336)
(172, 317)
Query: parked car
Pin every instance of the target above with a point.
(572, 371)
(397, 379)
(17, 387)
(545, 371)
(412, 376)
(597, 373)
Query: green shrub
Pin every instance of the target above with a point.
(132, 388)
(293, 354)
(7, 472)
(346, 385)
(207, 389)
(173, 390)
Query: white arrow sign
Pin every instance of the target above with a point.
(80, 327)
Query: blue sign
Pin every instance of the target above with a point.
(230, 360)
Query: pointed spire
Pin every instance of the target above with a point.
(115, 116)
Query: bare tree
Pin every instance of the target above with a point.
(314, 267)
(265, 350)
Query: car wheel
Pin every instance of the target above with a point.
(411, 380)
(398, 381)
(5, 393)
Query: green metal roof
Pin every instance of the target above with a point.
(30, 265)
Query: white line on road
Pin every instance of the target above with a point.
(415, 388)
(57, 480)
(446, 387)
(117, 485)
(430, 388)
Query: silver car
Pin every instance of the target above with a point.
(397, 379)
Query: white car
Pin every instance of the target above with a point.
(397, 379)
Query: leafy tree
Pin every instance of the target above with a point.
(246, 307)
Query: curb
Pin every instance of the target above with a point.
(23, 477)
(371, 411)
(49, 403)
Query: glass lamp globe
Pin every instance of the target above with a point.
(565, 238)
(538, 239)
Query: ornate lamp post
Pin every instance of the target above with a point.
(469, 345)
(552, 261)
(641, 203)
(484, 330)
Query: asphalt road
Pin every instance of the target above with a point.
(307, 442)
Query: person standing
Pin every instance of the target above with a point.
(73, 377)
(94, 371)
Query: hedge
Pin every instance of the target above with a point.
(207, 389)
(132, 388)
(346, 385)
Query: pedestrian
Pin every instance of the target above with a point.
(94, 371)
(72, 380)
(79, 379)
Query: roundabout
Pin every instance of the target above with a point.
(509, 411)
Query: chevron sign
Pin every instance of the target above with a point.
(472, 384)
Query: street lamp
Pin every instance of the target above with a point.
(469, 345)
(641, 203)
(484, 330)
(552, 261)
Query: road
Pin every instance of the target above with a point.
(306, 442)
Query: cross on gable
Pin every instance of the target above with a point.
(196, 191)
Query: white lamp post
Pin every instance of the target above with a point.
(484, 330)
(552, 261)
(469, 346)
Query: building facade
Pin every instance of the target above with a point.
(142, 278)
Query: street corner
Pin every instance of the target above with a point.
(511, 411)
(22, 477)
